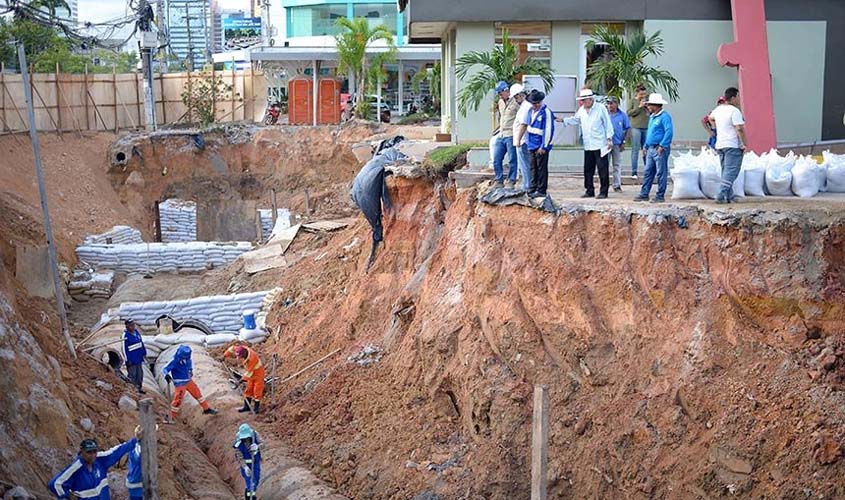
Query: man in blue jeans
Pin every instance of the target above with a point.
(658, 143)
(638, 116)
(508, 107)
(730, 142)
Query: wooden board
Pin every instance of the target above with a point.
(285, 237)
(264, 259)
(326, 225)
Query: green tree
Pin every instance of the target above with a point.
(432, 76)
(34, 37)
(352, 42)
(501, 63)
(626, 63)
(200, 95)
(51, 6)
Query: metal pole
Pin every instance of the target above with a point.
(314, 91)
(48, 228)
(149, 450)
(149, 95)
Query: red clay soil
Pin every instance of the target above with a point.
(705, 362)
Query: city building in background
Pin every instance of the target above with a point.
(190, 31)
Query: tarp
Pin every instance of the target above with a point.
(504, 197)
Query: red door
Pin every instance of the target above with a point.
(300, 101)
(329, 101)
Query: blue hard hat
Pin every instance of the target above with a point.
(502, 86)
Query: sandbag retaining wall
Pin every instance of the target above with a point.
(118, 235)
(162, 257)
(178, 219)
(221, 312)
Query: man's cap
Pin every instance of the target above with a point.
(88, 445)
(721, 100)
(129, 321)
(611, 98)
(502, 86)
(535, 96)
(240, 350)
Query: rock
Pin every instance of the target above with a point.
(18, 493)
(87, 425)
(582, 426)
(135, 179)
(410, 465)
(104, 385)
(426, 495)
(127, 404)
(828, 362)
(730, 461)
(828, 450)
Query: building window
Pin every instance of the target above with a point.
(315, 20)
(377, 13)
(532, 39)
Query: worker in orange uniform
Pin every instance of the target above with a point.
(253, 376)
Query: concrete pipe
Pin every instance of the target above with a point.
(107, 347)
(282, 477)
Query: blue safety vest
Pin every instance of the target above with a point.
(180, 368)
(133, 347)
(134, 482)
(90, 483)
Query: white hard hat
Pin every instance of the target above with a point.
(517, 88)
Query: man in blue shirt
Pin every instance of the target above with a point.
(134, 352)
(87, 477)
(658, 144)
(247, 447)
(621, 127)
(539, 124)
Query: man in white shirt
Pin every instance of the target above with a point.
(730, 142)
(518, 92)
(597, 136)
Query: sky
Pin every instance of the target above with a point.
(104, 10)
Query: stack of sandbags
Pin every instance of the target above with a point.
(265, 216)
(266, 304)
(86, 284)
(252, 335)
(700, 176)
(178, 219)
(118, 235)
(834, 172)
(186, 335)
(223, 313)
(162, 257)
(219, 339)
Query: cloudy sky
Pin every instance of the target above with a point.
(104, 10)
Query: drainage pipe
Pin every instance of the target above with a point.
(282, 476)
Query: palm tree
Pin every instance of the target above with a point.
(501, 63)
(625, 63)
(352, 43)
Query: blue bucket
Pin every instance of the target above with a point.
(249, 319)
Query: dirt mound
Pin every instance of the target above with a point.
(677, 359)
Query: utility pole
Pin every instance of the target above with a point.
(162, 33)
(48, 227)
(266, 27)
(205, 30)
(149, 41)
(187, 18)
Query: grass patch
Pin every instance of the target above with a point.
(415, 118)
(448, 158)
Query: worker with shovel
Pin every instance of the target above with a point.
(180, 371)
(87, 477)
(248, 453)
(254, 373)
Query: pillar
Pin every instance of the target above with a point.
(401, 71)
(314, 90)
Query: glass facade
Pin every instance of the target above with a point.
(319, 19)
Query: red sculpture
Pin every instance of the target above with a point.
(750, 54)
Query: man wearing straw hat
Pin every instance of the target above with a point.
(597, 136)
(658, 141)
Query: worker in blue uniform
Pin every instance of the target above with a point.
(87, 476)
(248, 453)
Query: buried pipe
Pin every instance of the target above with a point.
(282, 476)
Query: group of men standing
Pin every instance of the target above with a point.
(526, 129)
(87, 476)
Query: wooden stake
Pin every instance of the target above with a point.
(312, 365)
(163, 100)
(58, 99)
(84, 98)
(540, 443)
(213, 94)
(275, 214)
(233, 90)
(190, 89)
(149, 449)
(34, 89)
(138, 99)
(307, 202)
(243, 89)
(114, 94)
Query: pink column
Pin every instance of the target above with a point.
(750, 54)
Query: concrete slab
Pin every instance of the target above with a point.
(32, 269)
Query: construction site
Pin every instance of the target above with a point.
(689, 350)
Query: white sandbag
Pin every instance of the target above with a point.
(685, 183)
(710, 178)
(247, 334)
(220, 339)
(738, 187)
(779, 173)
(835, 172)
(804, 179)
(755, 175)
(181, 338)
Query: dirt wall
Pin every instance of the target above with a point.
(677, 358)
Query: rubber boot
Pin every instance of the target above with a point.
(210, 411)
(255, 406)
(372, 258)
(245, 407)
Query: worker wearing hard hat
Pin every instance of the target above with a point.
(180, 371)
(87, 477)
(253, 376)
(247, 447)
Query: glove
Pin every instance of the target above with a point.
(247, 472)
(253, 448)
(168, 378)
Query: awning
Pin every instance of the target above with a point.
(428, 52)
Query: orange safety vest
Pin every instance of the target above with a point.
(252, 364)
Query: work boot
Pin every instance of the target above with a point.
(255, 407)
(640, 197)
(210, 411)
(245, 407)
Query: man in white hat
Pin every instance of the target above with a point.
(597, 136)
(658, 142)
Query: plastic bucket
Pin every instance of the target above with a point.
(249, 319)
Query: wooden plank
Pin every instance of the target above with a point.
(125, 109)
(233, 91)
(96, 111)
(76, 124)
(58, 99)
(163, 100)
(114, 95)
(263, 259)
(540, 443)
(327, 225)
(149, 449)
(243, 89)
(18, 111)
(3, 96)
(275, 213)
(214, 94)
(284, 238)
(44, 104)
(85, 99)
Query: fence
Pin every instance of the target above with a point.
(78, 102)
